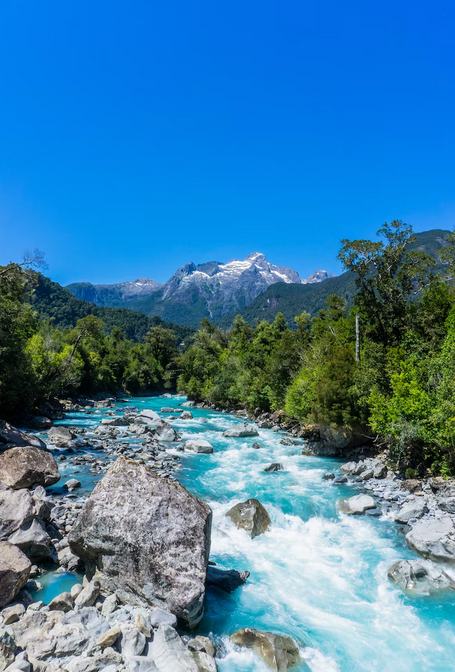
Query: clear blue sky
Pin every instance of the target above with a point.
(136, 136)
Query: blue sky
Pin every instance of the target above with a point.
(137, 136)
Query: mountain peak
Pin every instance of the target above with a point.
(255, 256)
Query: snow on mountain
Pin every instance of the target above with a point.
(216, 288)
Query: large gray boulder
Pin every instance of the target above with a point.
(148, 417)
(434, 539)
(9, 435)
(356, 505)
(412, 509)
(169, 653)
(116, 421)
(165, 432)
(33, 540)
(198, 446)
(277, 651)
(14, 572)
(25, 466)
(421, 577)
(250, 516)
(147, 539)
(60, 436)
(17, 507)
(242, 430)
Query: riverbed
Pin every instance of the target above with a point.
(316, 575)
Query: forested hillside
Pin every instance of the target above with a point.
(55, 302)
(399, 391)
(294, 299)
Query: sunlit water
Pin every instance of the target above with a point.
(316, 575)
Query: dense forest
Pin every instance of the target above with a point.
(67, 347)
(401, 392)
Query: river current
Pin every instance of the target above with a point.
(316, 575)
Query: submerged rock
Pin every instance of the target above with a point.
(25, 466)
(226, 579)
(356, 505)
(148, 538)
(277, 651)
(250, 516)
(242, 430)
(198, 446)
(434, 539)
(422, 577)
(14, 572)
(275, 466)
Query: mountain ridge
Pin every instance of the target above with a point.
(211, 289)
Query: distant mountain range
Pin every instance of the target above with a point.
(253, 288)
(213, 289)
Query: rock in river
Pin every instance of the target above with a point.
(11, 435)
(422, 577)
(434, 539)
(250, 516)
(165, 432)
(14, 572)
(226, 579)
(277, 651)
(148, 538)
(198, 446)
(26, 466)
(356, 505)
(244, 429)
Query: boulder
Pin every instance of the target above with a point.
(148, 417)
(421, 577)
(275, 466)
(412, 509)
(189, 404)
(60, 436)
(226, 579)
(349, 467)
(88, 595)
(25, 466)
(17, 507)
(169, 409)
(41, 422)
(169, 653)
(7, 648)
(63, 602)
(277, 651)
(250, 516)
(12, 614)
(110, 637)
(148, 538)
(115, 422)
(186, 415)
(434, 539)
(165, 432)
(244, 429)
(356, 505)
(72, 484)
(14, 572)
(11, 436)
(33, 540)
(198, 446)
(380, 471)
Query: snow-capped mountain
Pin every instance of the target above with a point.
(212, 289)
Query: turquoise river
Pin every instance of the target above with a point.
(317, 575)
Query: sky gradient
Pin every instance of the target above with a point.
(135, 137)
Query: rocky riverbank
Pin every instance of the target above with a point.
(141, 540)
